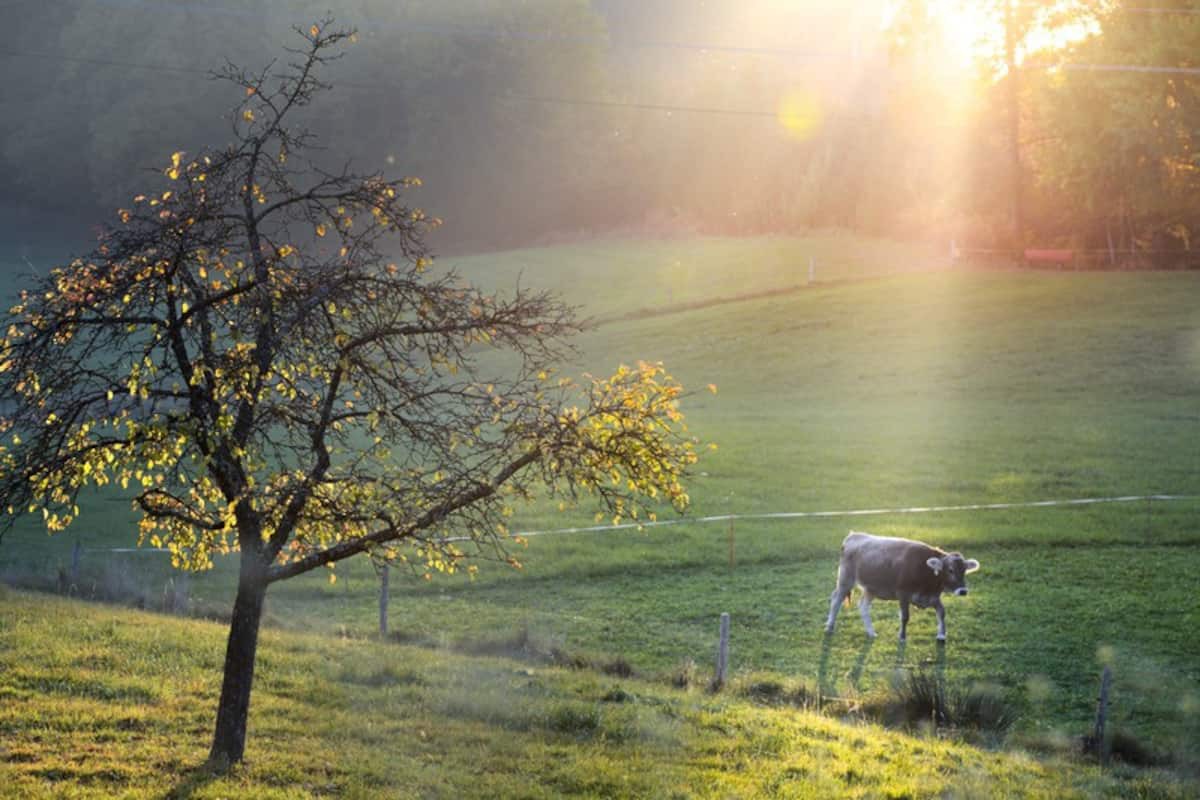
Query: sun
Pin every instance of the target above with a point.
(967, 30)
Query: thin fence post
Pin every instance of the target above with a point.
(1101, 715)
(722, 654)
(732, 553)
(76, 554)
(183, 593)
(383, 601)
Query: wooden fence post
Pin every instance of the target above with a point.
(76, 554)
(383, 601)
(1101, 714)
(183, 593)
(722, 654)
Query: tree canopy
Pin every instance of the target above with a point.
(264, 352)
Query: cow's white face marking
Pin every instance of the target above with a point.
(935, 564)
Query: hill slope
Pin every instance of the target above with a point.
(100, 702)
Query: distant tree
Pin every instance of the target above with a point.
(994, 138)
(1118, 147)
(264, 352)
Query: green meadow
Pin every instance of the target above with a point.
(101, 702)
(891, 382)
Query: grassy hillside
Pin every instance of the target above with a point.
(613, 277)
(103, 702)
(917, 389)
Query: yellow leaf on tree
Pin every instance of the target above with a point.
(248, 115)
(314, 30)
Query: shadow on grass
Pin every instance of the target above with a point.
(195, 779)
(860, 663)
(825, 687)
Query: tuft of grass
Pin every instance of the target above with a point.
(385, 675)
(924, 699)
(618, 694)
(1126, 747)
(684, 675)
(618, 667)
(574, 720)
(519, 644)
(773, 691)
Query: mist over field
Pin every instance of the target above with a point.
(548, 120)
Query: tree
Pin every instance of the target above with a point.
(265, 351)
(1118, 156)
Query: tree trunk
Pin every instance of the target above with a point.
(229, 740)
(1011, 37)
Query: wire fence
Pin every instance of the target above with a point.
(859, 512)
(110, 576)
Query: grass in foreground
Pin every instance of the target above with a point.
(103, 702)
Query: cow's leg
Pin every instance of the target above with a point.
(864, 608)
(904, 600)
(845, 584)
(835, 604)
(941, 615)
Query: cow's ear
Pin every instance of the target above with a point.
(935, 564)
(972, 565)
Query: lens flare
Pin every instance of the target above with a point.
(800, 113)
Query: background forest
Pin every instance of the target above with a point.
(546, 119)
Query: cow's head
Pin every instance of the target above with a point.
(954, 569)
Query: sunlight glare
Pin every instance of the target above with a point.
(967, 30)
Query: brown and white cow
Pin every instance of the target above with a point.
(888, 568)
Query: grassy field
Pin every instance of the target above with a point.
(914, 388)
(103, 702)
(611, 278)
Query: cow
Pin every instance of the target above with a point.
(889, 568)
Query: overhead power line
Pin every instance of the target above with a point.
(393, 87)
(1150, 10)
(476, 32)
(1165, 10)
(1130, 68)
